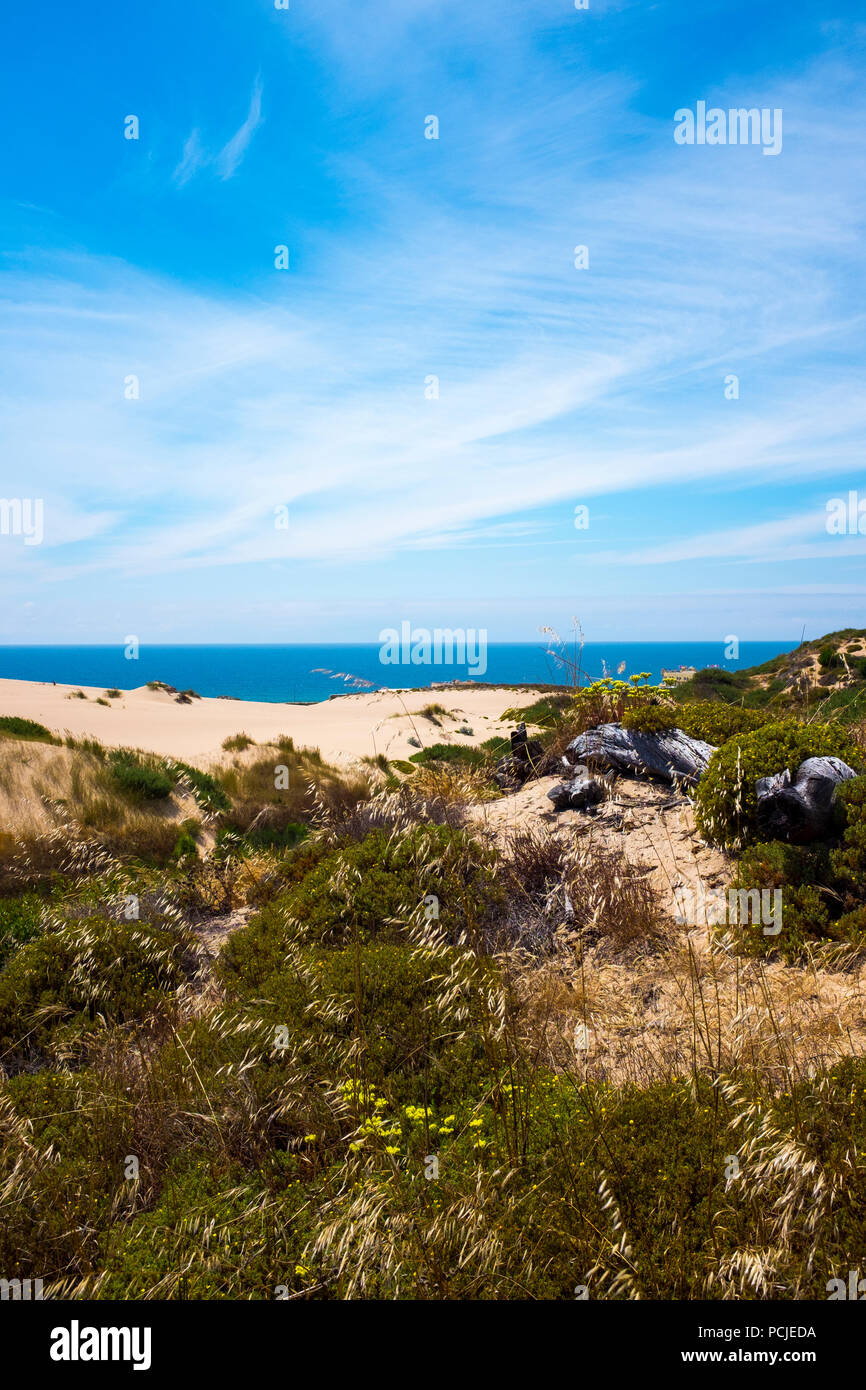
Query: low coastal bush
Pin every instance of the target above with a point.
(823, 886)
(649, 717)
(716, 723)
(20, 922)
(606, 701)
(11, 726)
(147, 780)
(545, 713)
(89, 970)
(206, 788)
(708, 720)
(726, 796)
(374, 886)
(449, 753)
(237, 743)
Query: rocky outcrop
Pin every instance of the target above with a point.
(670, 755)
(800, 809)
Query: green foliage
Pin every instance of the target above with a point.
(716, 723)
(461, 753)
(208, 792)
(236, 743)
(649, 716)
(88, 968)
(256, 1235)
(371, 887)
(726, 797)
(185, 846)
(823, 887)
(545, 713)
(848, 861)
(606, 701)
(20, 922)
(140, 778)
(281, 837)
(382, 993)
(829, 659)
(14, 727)
(113, 693)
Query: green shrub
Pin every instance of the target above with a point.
(210, 795)
(823, 888)
(140, 779)
(848, 861)
(20, 922)
(276, 837)
(715, 722)
(547, 712)
(14, 727)
(237, 743)
(377, 999)
(184, 846)
(449, 753)
(649, 716)
(709, 720)
(370, 887)
(726, 796)
(829, 659)
(90, 967)
(256, 1236)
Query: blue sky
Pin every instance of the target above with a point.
(410, 258)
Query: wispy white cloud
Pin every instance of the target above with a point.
(556, 386)
(192, 159)
(231, 154)
(227, 160)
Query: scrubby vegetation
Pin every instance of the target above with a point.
(276, 1029)
(11, 726)
(726, 799)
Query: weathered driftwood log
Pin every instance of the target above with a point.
(526, 759)
(799, 809)
(671, 754)
(578, 794)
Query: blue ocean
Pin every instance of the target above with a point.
(312, 673)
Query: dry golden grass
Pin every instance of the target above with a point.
(690, 1005)
(45, 789)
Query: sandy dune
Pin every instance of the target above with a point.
(344, 729)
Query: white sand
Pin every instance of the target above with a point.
(344, 729)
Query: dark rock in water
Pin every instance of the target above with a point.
(579, 794)
(800, 809)
(671, 754)
(526, 759)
